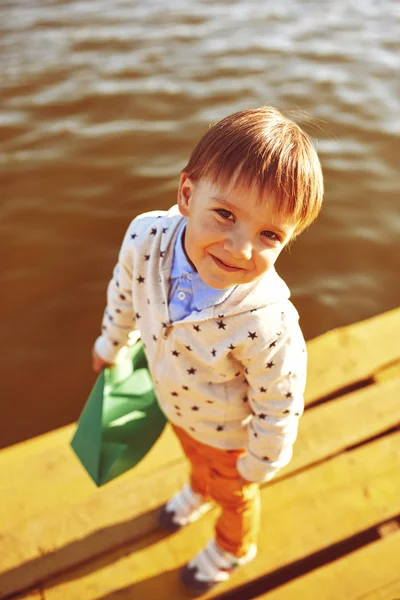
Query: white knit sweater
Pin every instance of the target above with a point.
(231, 375)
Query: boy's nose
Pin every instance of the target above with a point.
(239, 247)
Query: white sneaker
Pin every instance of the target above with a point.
(183, 508)
(213, 565)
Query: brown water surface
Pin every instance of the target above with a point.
(100, 105)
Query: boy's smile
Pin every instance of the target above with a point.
(231, 237)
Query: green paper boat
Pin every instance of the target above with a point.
(121, 420)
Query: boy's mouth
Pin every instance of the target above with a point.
(223, 265)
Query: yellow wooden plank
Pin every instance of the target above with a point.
(47, 469)
(334, 426)
(301, 515)
(390, 591)
(100, 517)
(348, 354)
(361, 573)
(391, 371)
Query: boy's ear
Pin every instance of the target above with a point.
(185, 193)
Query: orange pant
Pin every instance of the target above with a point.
(214, 475)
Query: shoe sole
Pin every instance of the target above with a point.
(187, 576)
(165, 520)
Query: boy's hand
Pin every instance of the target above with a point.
(98, 364)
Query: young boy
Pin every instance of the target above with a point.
(222, 338)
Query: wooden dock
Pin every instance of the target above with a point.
(331, 519)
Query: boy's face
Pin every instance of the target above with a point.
(230, 237)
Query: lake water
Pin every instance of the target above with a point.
(100, 106)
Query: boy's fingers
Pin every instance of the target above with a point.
(96, 368)
(98, 364)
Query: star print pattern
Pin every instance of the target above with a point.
(260, 366)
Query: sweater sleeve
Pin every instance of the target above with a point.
(276, 374)
(119, 316)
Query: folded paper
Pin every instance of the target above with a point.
(121, 420)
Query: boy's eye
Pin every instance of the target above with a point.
(271, 236)
(225, 214)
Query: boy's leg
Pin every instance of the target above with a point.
(190, 503)
(199, 471)
(214, 474)
(237, 528)
(238, 525)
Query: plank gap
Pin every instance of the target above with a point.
(309, 563)
(371, 439)
(391, 367)
(315, 463)
(389, 527)
(342, 391)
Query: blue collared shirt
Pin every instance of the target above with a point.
(188, 293)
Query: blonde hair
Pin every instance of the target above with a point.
(263, 148)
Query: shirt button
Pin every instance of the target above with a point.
(181, 295)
